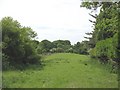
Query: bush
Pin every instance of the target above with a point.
(103, 50)
(106, 49)
(18, 44)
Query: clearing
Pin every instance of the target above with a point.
(62, 70)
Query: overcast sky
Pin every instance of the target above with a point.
(51, 19)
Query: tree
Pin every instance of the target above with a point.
(65, 45)
(105, 29)
(17, 43)
(44, 46)
(81, 48)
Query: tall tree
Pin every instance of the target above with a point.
(105, 27)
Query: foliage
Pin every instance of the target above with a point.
(57, 46)
(104, 49)
(60, 46)
(63, 44)
(44, 46)
(17, 42)
(104, 40)
(81, 48)
(5, 61)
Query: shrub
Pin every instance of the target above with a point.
(103, 50)
(106, 49)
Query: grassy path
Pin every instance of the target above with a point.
(63, 71)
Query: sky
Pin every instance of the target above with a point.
(50, 19)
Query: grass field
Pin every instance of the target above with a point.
(62, 70)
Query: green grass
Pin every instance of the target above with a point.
(62, 70)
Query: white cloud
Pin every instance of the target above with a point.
(51, 19)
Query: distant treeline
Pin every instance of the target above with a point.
(60, 46)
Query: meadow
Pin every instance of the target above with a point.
(62, 70)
